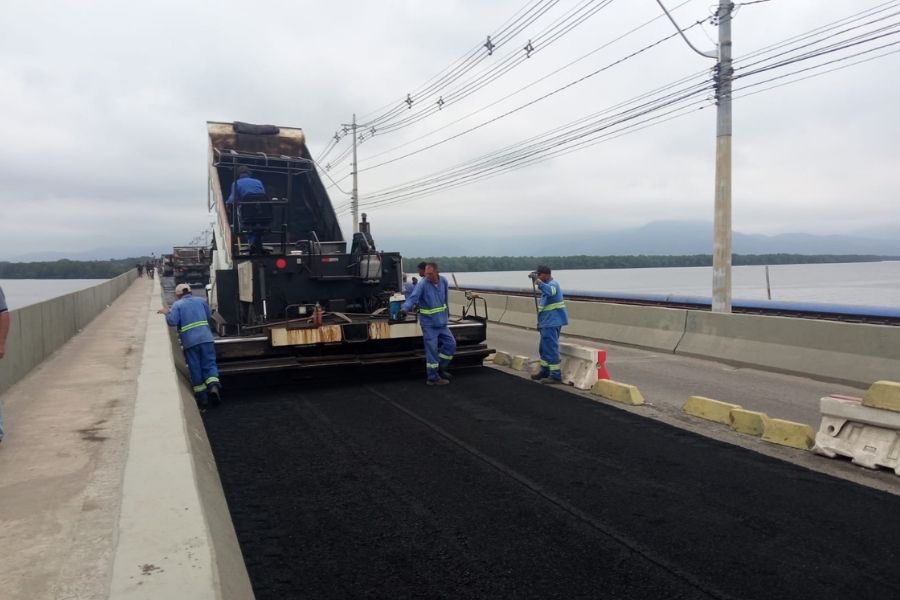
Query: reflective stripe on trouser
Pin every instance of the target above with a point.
(440, 345)
(549, 350)
(201, 360)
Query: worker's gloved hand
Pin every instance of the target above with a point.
(533, 275)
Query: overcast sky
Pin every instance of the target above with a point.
(103, 110)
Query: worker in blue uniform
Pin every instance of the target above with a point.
(551, 317)
(191, 316)
(431, 294)
(244, 185)
(408, 287)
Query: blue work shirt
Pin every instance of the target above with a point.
(243, 186)
(432, 301)
(191, 316)
(551, 308)
(408, 288)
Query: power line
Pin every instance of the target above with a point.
(457, 176)
(523, 88)
(528, 104)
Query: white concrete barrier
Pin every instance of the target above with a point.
(579, 365)
(869, 436)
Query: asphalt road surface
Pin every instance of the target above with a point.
(497, 487)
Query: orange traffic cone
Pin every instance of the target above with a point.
(602, 373)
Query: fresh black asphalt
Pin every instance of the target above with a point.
(498, 487)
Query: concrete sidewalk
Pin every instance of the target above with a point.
(61, 464)
(108, 488)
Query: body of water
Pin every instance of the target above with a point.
(864, 284)
(861, 284)
(22, 292)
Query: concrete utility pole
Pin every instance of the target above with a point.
(354, 195)
(721, 301)
(721, 284)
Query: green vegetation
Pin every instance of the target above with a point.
(69, 269)
(528, 263)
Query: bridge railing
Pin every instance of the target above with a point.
(38, 330)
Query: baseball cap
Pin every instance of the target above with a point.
(181, 288)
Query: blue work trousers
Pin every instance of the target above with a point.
(201, 360)
(549, 351)
(440, 345)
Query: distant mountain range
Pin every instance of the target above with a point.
(657, 237)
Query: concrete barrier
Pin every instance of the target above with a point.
(579, 365)
(869, 436)
(751, 422)
(38, 330)
(622, 393)
(884, 395)
(850, 353)
(709, 409)
(788, 433)
(175, 536)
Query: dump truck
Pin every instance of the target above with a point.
(190, 264)
(285, 289)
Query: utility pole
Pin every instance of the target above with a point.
(721, 284)
(721, 300)
(354, 196)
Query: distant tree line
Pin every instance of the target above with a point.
(69, 269)
(528, 263)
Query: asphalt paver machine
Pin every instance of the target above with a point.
(286, 291)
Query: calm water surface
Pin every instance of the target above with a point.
(869, 284)
(22, 292)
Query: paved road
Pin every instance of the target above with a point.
(496, 487)
(667, 380)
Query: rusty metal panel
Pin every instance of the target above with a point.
(282, 336)
(384, 330)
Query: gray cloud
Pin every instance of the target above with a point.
(104, 107)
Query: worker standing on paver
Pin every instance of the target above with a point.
(432, 296)
(551, 316)
(191, 316)
(4, 331)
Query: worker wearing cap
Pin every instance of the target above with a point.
(551, 318)
(191, 316)
(432, 295)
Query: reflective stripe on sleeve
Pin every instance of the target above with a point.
(432, 311)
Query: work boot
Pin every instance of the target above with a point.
(438, 381)
(540, 375)
(445, 374)
(552, 381)
(215, 395)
